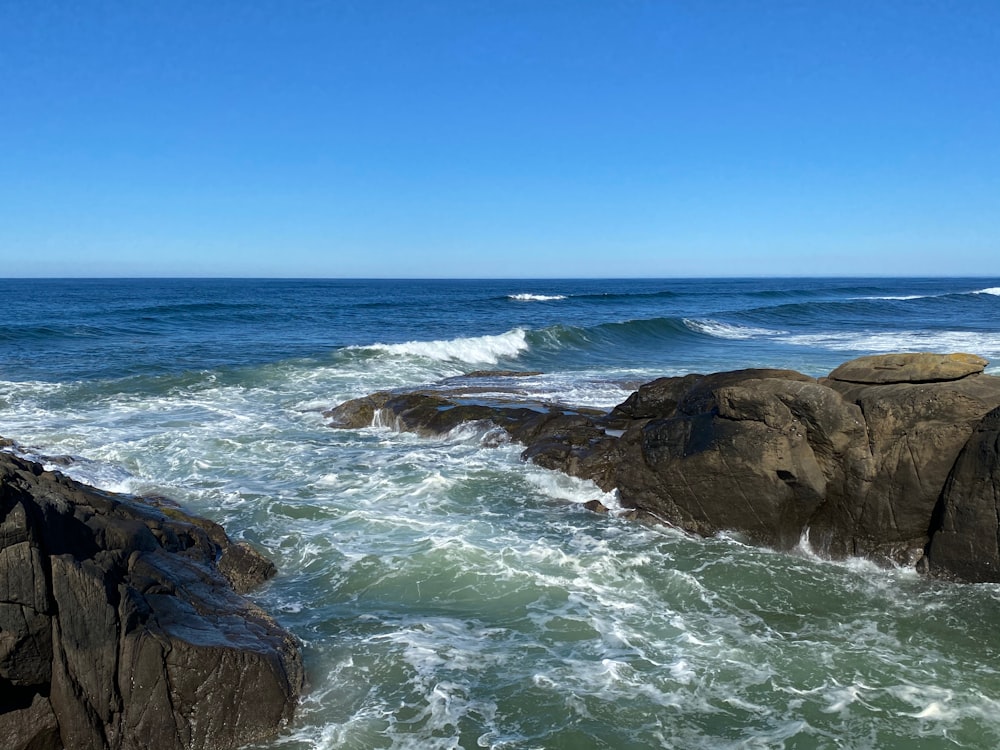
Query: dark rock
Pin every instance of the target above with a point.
(573, 444)
(430, 414)
(118, 630)
(244, 567)
(966, 542)
(742, 452)
(596, 506)
(656, 399)
(689, 394)
(358, 412)
(438, 410)
(916, 432)
(29, 727)
(858, 467)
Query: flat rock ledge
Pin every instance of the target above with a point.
(123, 625)
(895, 458)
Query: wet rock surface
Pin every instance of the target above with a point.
(865, 462)
(121, 625)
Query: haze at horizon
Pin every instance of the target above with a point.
(481, 139)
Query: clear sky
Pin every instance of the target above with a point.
(500, 138)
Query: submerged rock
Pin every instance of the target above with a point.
(120, 626)
(857, 462)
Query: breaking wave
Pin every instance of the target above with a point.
(474, 350)
(536, 297)
(728, 330)
(557, 344)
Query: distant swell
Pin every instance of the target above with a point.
(843, 325)
(610, 296)
(41, 334)
(188, 308)
(615, 341)
(995, 291)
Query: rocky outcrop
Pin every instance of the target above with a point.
(857, 462)
(121, 625)
(923, 367)
(966, 537)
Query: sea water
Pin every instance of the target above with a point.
(448, 595)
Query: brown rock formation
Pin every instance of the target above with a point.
(119, 628)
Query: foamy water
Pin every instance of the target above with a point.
(450, 596)
(471, 350)
(985, 344)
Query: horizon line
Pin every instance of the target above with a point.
(684, 277)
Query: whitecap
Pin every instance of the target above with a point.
(728, 330)
(994, 290)
(477, 349)
(525, 297)
(898, 297)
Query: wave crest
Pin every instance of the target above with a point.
(525, 297)
(728, 330)
(900, 297)
(476, 350)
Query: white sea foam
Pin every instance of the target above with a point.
(841, 697)
(934, 710)
(571, 489)
(598, 390)
(899, 297)
(525, 297)
(986, 344)
(994, 290)
(728, 330)
(475, 350)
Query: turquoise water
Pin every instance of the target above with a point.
(450, 596)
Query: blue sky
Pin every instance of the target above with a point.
(447, 138)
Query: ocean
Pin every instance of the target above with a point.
(448, 595)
